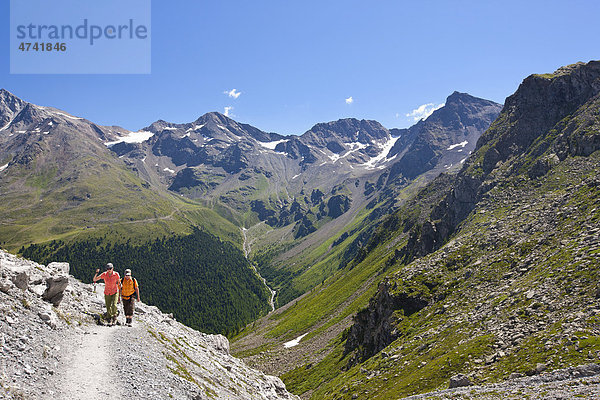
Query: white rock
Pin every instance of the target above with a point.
(5, 285)
(38, 289)
(62, 267)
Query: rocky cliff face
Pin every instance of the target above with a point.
(374, 328)
(547, 116)
(52, 346)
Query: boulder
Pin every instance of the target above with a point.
(587, 370)
(459, 380)
(539, 368)
(49, 318)
(55, 289)
(45, 316)
(219, 343)
(5, 285)
(21, 280)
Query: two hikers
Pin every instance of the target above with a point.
(112, 288)
(116, 290)
(129, 288)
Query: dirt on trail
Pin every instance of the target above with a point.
(88, 370)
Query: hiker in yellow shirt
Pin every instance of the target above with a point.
(129, 288)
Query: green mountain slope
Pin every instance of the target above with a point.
(58, 180)
(489, 273)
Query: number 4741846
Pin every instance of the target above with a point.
(42, 46)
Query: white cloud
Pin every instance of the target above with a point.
(424, 111)
(349, 100)
(227, 112)
(233, 93)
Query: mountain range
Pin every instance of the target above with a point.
(73, 179)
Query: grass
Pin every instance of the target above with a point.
(327, 298)
(432, 346)
(116, 203)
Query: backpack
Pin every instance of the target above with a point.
(128, 287)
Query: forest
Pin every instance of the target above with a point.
(206, 283)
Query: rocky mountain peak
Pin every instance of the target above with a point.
(10, 105)
(539, 103)
(446, 138)
(458, 98)
(216, 117)
(6, 96)
(462, 110)
(348, 130)
(346, 134)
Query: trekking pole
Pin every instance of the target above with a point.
(97, 270)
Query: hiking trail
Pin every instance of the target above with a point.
(87, 371)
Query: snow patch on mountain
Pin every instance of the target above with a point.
(334, 157)
(295, 342)
(195, 128)
(461, 144)
(272, 145)
(387, 146)
(132, 137)
(7, 125)
(355, 146)
(66, 115)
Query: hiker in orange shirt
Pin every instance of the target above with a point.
(112, 282)
(129, 291)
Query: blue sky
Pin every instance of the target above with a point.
(294, 63)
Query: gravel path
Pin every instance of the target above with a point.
(87, 371)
